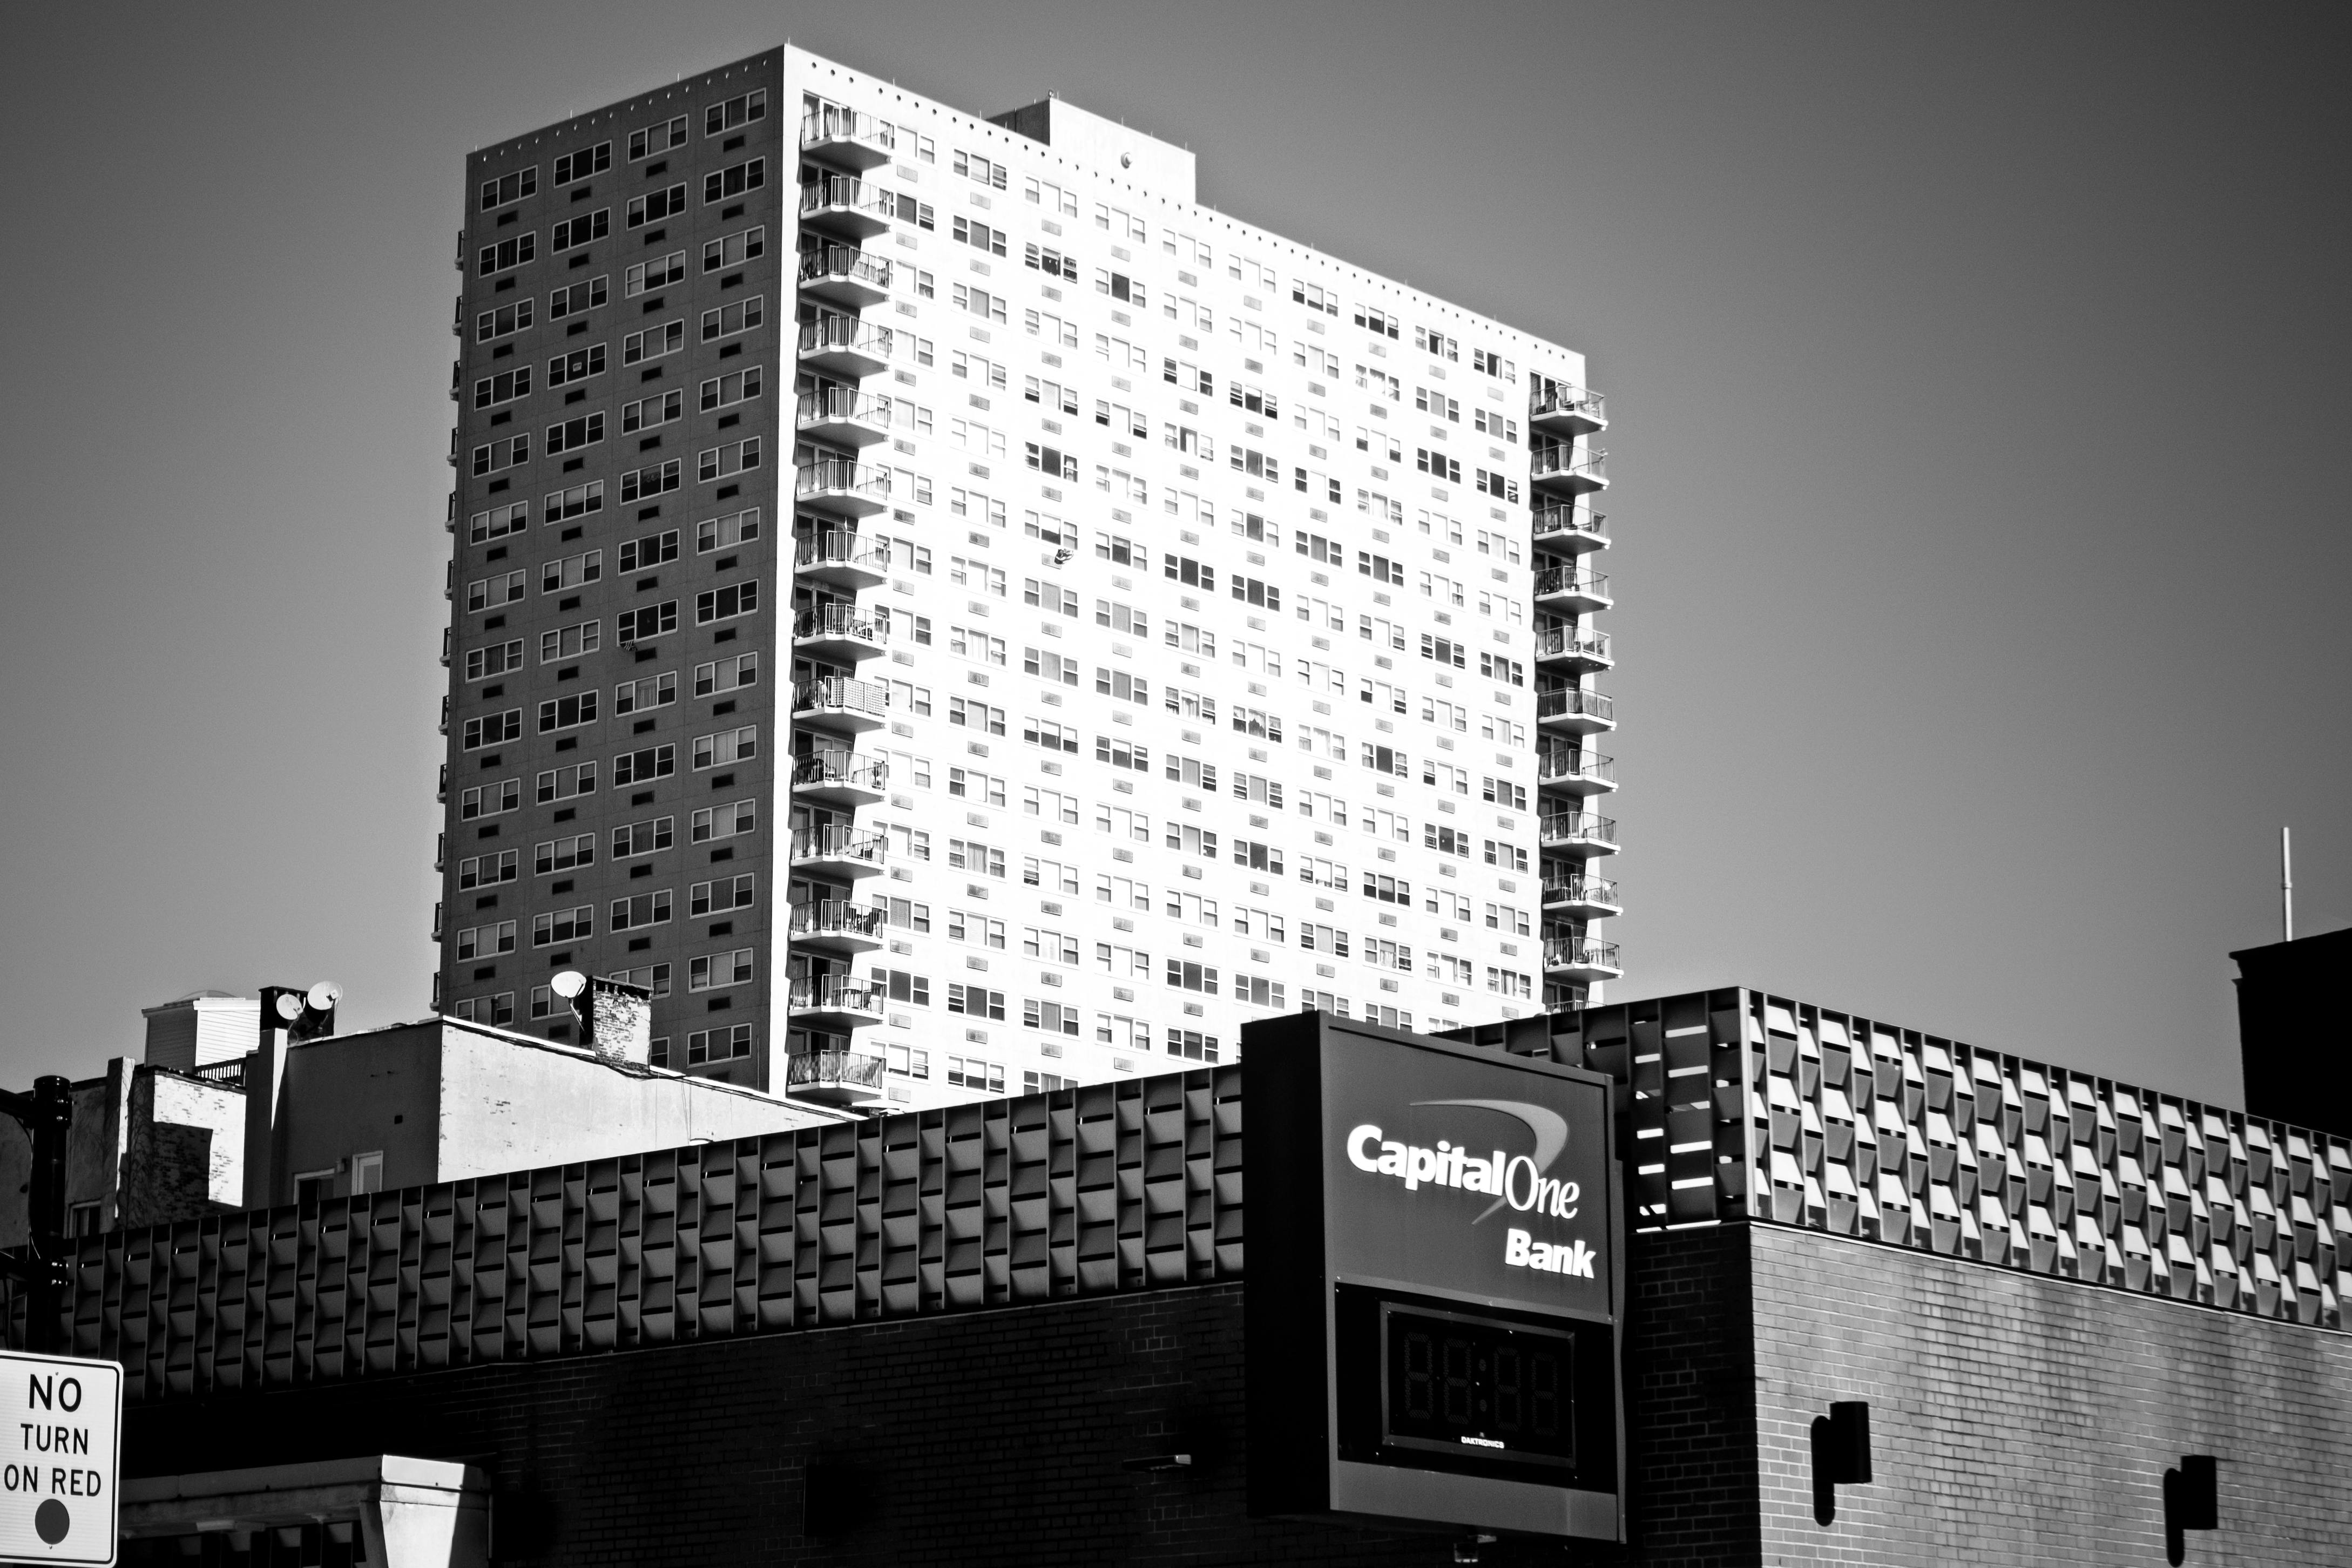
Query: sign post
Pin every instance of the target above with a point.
(60, 1460)
(1433, 1300)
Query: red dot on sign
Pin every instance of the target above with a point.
(52, 1522)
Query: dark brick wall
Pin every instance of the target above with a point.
(2022, 1420)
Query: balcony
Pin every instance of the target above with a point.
(833, 1077)
(835, 1002)
(839, 778)
(845, 276)
(840, 559)
(844, 416)
(1579, 835)
(1566, 647)
(1572, 772)
(1571, 959)
(1581, 899)
(1571, 712)
(1566, 591)
(838, 850)
(842, 487)
(835, 204)
(1571, 530)
(839, 634)
(844, 345)
(1558, 409)
(1569, 470)
(844, 138)
(838, 703)
(836, 925)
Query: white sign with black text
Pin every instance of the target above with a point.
(60, 1452)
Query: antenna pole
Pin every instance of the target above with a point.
(2286, 885)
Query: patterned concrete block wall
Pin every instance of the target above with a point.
(2028, 1421)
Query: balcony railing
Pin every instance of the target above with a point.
(1594, 892)
(839, 550)
(1559, 765)
(834, 123)
(1567, 642)
(842, 405)
(839, 841)
(1569, 463)
(844, 261)
(1573, 703)
(1568, 952)
(835, 994)
(833, 1069)
(1577, 827)
(842, 477)
(1562, 522)
(832, 333)
(839, 623)
(841, 193)
(841, 693)
(1556, 398)
(839, 917)
(1591, 585)
(848, 770)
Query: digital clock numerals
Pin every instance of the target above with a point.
(1462, 1385)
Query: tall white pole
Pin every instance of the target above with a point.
(2286, 885)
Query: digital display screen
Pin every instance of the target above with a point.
(1471, 1386)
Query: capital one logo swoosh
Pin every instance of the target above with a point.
(1519, 1181)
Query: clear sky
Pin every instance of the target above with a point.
(1978, 398)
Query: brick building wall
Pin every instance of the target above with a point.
(2015, 1420)
(2028, 1421)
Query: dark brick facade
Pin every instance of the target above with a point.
(2016, 1420)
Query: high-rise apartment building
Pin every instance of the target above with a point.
(950, 614)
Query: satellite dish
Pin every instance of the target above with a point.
(289, 1005)
(569, 983)
(323, 996)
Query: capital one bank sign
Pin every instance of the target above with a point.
(1433, 1298)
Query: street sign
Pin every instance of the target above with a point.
(60, 1458)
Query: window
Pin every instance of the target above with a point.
(739, 386)
(570, 434)
(1494, 666)
(719, 1044)
(976, 716)
(652, 977)
(571, 572)
(579, 165)
(974, 166)
(1121, 754)
(971, 855)
(1258, 857)
(1498, 485)
(969, 784)
(563, 783)
(576, 924)
(653, 342)
(976, 1001)
(973, 232)
(499, 522)
(643, 765)
(489, 870)
(730, 457)
(647, 412)
(1188, 977)
(977, 930)
(569, 642)
(493, 729)
(1049, 666)
(572, 233)
(493, 660)
(503, 387)
(1054, 198)
(511, 187)
(1061, 465)
(1375, 322)
(723, 821)
(743, 110)
(1506, 855)
(503, 322)
(1262, 595)
(726, 674)
(567, 713)
(657, 138)
(574, 297)
(1052, 262)
(1119, 684)
(643, 554)
(720, 894)
(734, 249)
(726, 604)
(641, 909)
(486, 942)
(1052, 875)
(726, 532)
(490, 800)
(734, 180)
(1051, 946)
(729, 320)
(903, 985)
(1490, 423)
(493, 455)
(1053, 1018)
(1191, 1045)
(1445, 840)
(1048, 596)
(715, 750)
(1387, 890)
(497, 1010)
(508, 253)
(714, 971)
(1431, 344)
(1438, 465)
(970, 1072)
(655, 832)
(645, 622)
